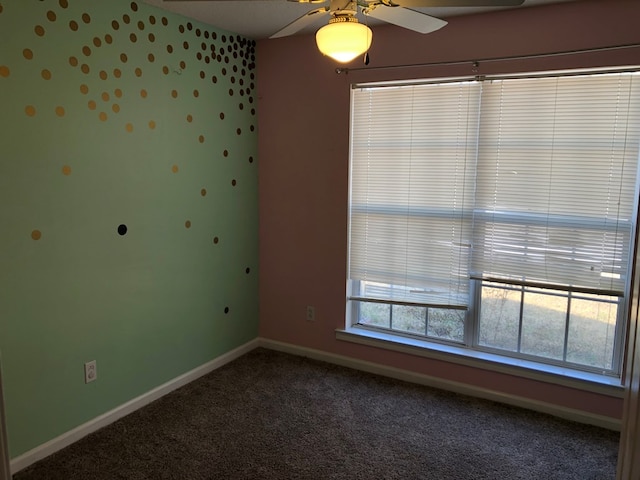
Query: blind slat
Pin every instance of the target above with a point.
(527, 180)
(563, 153)
(413, 168)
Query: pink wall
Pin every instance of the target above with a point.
(304, 155)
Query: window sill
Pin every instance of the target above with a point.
(585, 381)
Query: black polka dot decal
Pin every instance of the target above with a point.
(122, 229)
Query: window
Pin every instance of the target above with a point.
(497, 214)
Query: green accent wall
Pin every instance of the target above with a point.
(116, 115)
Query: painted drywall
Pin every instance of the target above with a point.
(304, 162)
(128, 205)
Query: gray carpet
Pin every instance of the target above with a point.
(270, 415)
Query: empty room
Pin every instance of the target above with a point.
(297, 240)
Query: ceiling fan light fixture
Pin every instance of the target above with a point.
(344, 38)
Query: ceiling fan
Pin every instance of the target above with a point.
(345, 38)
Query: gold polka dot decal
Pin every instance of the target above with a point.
(60, 111)
(203, 192)
(105, 96)
(84, 89)
(27, 53)
(4, 71)
(66, 170)
(102, 116)
(174, 93)
(187, 224)
(201, 138)
(129, 127)
(116, 108)
(118, 93)
(39, 30)
(143, 93)
(152, 125)
(174, 169)
(30, 110)
(36, 234)
(46, 74)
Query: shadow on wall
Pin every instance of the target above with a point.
(5, 473)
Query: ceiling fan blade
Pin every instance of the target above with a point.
(302, 22)
(410, 19)
(457, 3)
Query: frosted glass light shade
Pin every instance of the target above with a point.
(343, 39)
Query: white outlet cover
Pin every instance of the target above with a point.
(90, 371)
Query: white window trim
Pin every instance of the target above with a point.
(467, 355)
(459, 355)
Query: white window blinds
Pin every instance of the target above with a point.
(557, 165)
(524, 180)
(412, 189)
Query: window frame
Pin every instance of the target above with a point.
(471, 329)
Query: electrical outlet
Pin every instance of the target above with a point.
(311, 313)
(90, 371)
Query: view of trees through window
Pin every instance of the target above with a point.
(439, 323)
(548, 325)
(556, 325)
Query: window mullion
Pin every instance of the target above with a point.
(520, 318)
(566, 328)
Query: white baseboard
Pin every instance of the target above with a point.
(131, 406)
(91, 426)
(462, 388)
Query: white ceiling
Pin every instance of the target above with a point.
(256, 19)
